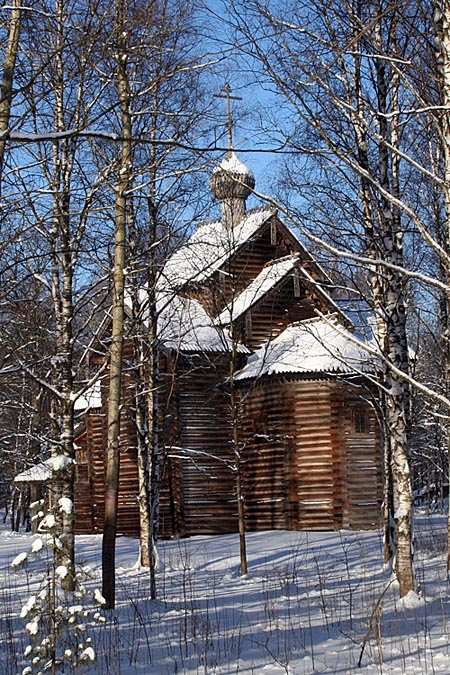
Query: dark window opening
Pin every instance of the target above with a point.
(273, 233)
(248, 325)
(297, 291)
(361, 420)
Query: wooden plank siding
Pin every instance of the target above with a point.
(84, 513)
(305, 467)
(91, 460)
(363, 475)
(243, 267)
(207, 479)
(304, 463)
(197, 486)
(276, 310)
(267, 434)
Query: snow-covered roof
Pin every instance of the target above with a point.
(320, 345)
(232, 163)
(37, 473)
(269, 277)
(184, 325)
(208, 248)
(92, 398)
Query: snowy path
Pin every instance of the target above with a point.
(304, 608)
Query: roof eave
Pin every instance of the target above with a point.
(306, 375)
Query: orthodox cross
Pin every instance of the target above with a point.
(226, 94)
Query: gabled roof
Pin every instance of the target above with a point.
(271, 274)
(209, 247)
(92, 398)
(311, 346)
(38, 473)
(184, 325)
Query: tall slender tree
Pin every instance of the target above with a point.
(124, 173)
(335, 68)
(9, 63)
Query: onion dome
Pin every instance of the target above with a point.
(231, 179)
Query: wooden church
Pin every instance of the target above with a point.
(243, 307)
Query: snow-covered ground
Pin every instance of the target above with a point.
(305, 606)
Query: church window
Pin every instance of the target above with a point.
(248, 324)
(361, 422)
(296, 284)
(273, 233)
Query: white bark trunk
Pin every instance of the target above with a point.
(115, 358)
(442, 28)
(9, 64)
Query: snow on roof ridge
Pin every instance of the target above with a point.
(269, 277)
(317, 345)
(92, 398)
(189, 328)
(209, 247)
(183, 324)
(332, 317)
(289, 256)
(204, 223)
(39, 472)
(219, 221)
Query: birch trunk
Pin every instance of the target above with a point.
(148, 451)
(154, 459)
(9, 65)
(442, 28)
(116, 348)
(240, 494)
(143, 464)
(62, 293)
(376, 286)
(148, 446)
(152, 380)
(396, 341)
(138, 312)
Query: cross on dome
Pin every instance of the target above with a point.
(231, 182)
(227, 95)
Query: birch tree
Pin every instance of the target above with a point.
(442, 31)
(9, 63)
(166, 100)
(56, 196)
(331, 71)
(115, 357)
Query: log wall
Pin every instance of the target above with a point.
(306, 467)
(206, 477)
(275, 311)
(197, 486)
(267, 433)
(84, 511)
(244, 266)
(304, 464)
(363, 479)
